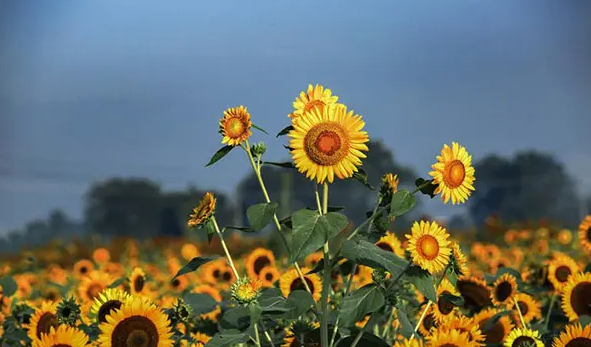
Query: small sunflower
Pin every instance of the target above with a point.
(499, 331)
(200, 339)
(529, 307)
(83, 267)
(390, 243)
(290, 281)
(63, 336)
(454, 174)
(43, 320)
(585, 234)
(107, 301)
(523, 338)
(137, 323)
(429, 323)
(327, 143)
(189, 251)
(93, 284)
(576, 296)
(316, 97)
(312, 260)
(449, 338)
(565, 236)
(561, 268)
(460, 261)
(429, 246)
(137, 281)
(235, 126)
(504, 289)
(391, 181)
(203, 211)
(574, 336)
(101, 255)
(257, 260)
(444, 308)
(269, 275)
(245, 290)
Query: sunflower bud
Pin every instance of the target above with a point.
(68, 312)
(22, 313)
(379, 276)
(182, 312)
(245, 291)
(258, 149)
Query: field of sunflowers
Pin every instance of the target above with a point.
(337, 284)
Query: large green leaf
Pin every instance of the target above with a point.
(227, 338)
(255, 313)
(402, 202)
(9, 286)
(361, 302)
(272, 301)
(237, 318)
(299, 302)
(585, 320)
(219, 155)
(260, 215)
(423, 281)
(193, 265)
(368, 254)
(406, 328)
(311, 230)
(200, 303)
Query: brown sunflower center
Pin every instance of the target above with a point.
(454, 174)
(216, 273)
(326, 143)
(589, 234)
(503, 291)
(260, 263)
(61, 345)
(445, 306)
(138, 283)
(428, 247)
(314, 103)
(175, 283)
(297, 284)
(83, 269)
(580, 299)
(562, 273)
(269, 276)
(46, 322)
(385, 246)
(523, 307)
(523, 341)
(235, 127)
(579, 342)
(495, 335)
(227, 276)
(449, 345)
(135, 331)
(107, 308)
(429, 322)
(94, 290)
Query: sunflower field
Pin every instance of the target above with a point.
(337, 284)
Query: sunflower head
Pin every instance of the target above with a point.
(523, 338)
(561, 268)
(449, 338)
(43, 320)
(454, 174)
(68, 311)
(257, 260)
(315, 97)
(245, 290)
(235, 126)
(585, 234)
(574, 336)
(390, 243)
(290, 281)
(429, 246)
(137, 281)
(504, 290)
(529, 307)
(203, 212)
(444, 306)
(269, 275)
(63, 336)
(107, 301)
(389, 184)
(458, 261)
(576, 296)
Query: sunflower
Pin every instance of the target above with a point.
(200, 339)
(449, 338)
(269, 275)
(63, 336)
(453, 173)
(107, 301)
(203, 211)
(312, 259)
(257, 260)
(428, 323)
(189, 251)
(390, 243)
(290, 281)
(585, 234)
(316, 97)
(504, 289)
(101, 255)
(212, 271)
(565, 236)
(235, 126)
(529, 307)
(428, 246)
(137, 323)
(137, 281)
(574, 336)
(83, 267)
(576, 298)
(43, 320)
(524, 338)
(499, 331)
(560, 270)
(93, 284)
(461, 263)
(178, 284)
(444, 308)
(409, 343)
(328, 142)
(475, 292)
(463, 324)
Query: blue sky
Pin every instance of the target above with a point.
(93, 89)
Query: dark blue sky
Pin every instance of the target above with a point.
(92, 89)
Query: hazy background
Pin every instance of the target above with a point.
(95, 89)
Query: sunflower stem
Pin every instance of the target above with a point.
(429, 303)
(267, 335)
(257, 170)
(388, 323)
(256, 334)
(325, 277)
(550, 311)
(217, 230)
(519, 311)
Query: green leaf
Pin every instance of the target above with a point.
(455, 300)
(237, 318)
(227, 338)
(193, 265)
(311, 230)
(260, 215)
(299, 302)
(200, 303)
(320, 264)
(285, 165)
(259, 128)
(117, 282)
(272, 301)
(402, 202)
(361, 176)
(451, 276)
(243, 229)
(219, 155)
(255, 313)
(368, 254)
(210, 229)
(367, 340)
(585, 320)
(428, 189)
(361, 302)
(406, 327)
(423, 281)
(8, 285)
(588, 268)
(285, 131)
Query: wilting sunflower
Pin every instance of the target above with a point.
(428, 246)
(585, 234)
(137, 281)
(499, 331)
(523, 337)
(529, 307)
(463, 324)
(449, 338)
(83, 267)
(327, 143)
(574, 336)
(504, 289)
(203, 211)
(444, 307)
(316, 97)
(453, 173)
(93, 284)
(290, 281)
(390, 243)
(257, 260)
(235, 126)
(269, 275)
(43, 320)
(109, 300)
(461, 263)
(560, 270)
(576, 296)
(63, 336)
(137, 323)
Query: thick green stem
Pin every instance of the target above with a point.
(256, 334)
(550, 311)
(326, 278)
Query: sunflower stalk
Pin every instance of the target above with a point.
(256, 334)
(519, 311)
(547, 322)
(217, 230)
(428, 304)
(325, 277)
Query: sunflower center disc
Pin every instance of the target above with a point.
(579, 342)
(523, 341)
(135, 331)
(386, 247)
(454, 174)
(429, 247)
(137, 338)
(503, 291)
(562, 274)
(46, 321)
(581, 299)
(450, 345)
(523, 308)
(589, 234)
(297, 284)
(260, 263)
(139, 283)
(106, 308)
(234, 127)
(326, 144)
(269, 277)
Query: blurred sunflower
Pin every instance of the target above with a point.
(315, 97)
(454, 174)
(101, 255)
(504, 289)
(93, 284)
(290, 281)
(576, 296)
(327, 143)
(83, 267)
(235, 126)
(137, 282)
(257, 260)
(203, 211)
(565, 236)
(449, 338)
(574, 336)
(63, 336)
(428, 246)
(312, 259)
(43, 320)
(523, 337)
(269, 275)
(560, 270)
(585, 234)
(390, 243)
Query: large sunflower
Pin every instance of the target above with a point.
(63, 336)
(444, 308)
(390, 243)
(576, 296)
(585, 234)
(529, 307)
(504, 290)
(428, 246)
(523, 337)
(574, 336)
(203, 211)
(137, 323)
(43, 320)
(107, 301)
(560, 270)
(449, 338)
(316, 97)
(235, 126)
(257, 260)
(453, 173)
(93, 284)
(290, 281)
(328, 142)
